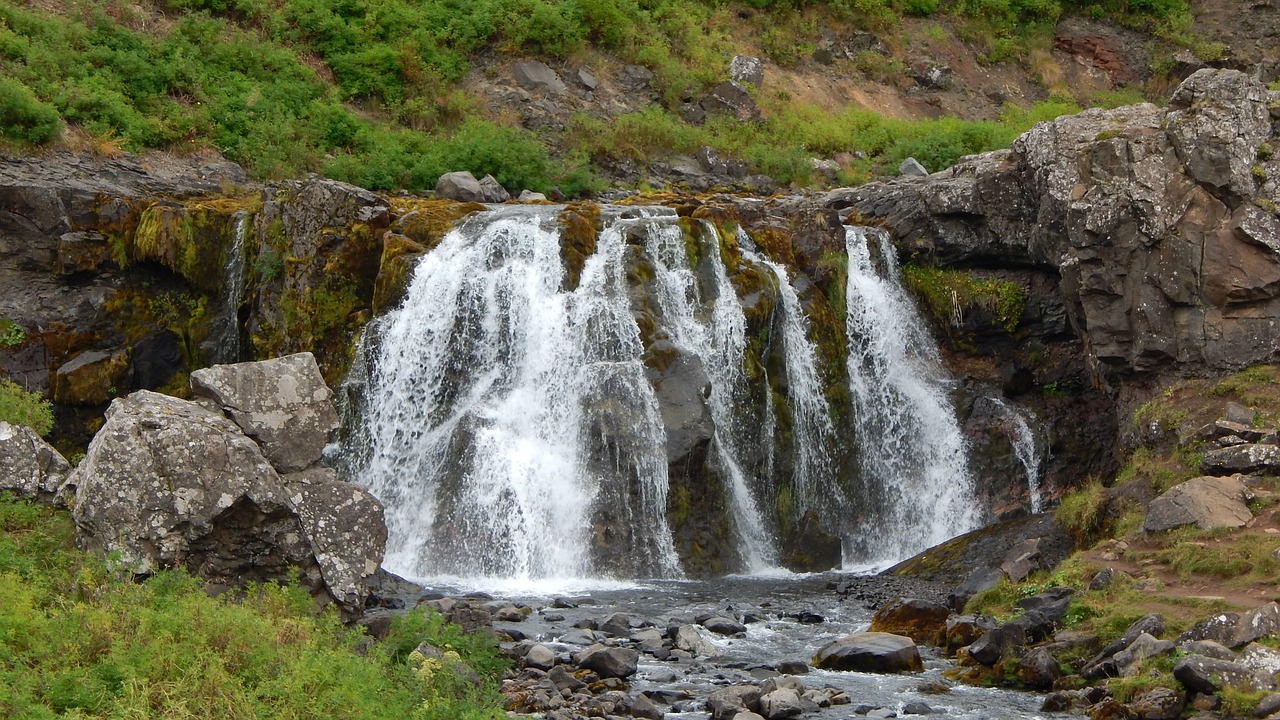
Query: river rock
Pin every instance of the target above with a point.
(687, 638)
(609, 662)
(781, 703)
(870, 652)
(31, 468)
(283, 404)
(493, 191)
(723, 626)
(962, 630)
(460, 185)
(617, 624)
(540, 657)
(1206, 502)
(923, 621)
(1038, 669)
(728, 702)
(168, 482)
(642, 707)
(1233, 630)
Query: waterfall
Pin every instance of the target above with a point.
(223, 342)
(720, 343)
(1023, 440)
(913, 459)
(510, 422)
(812, 431)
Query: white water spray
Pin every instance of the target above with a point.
(1023, 440)
(914, 465)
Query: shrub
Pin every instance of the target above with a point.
(1082, 512)
(25, 408)
(24, 117)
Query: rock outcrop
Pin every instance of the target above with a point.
(169, 482)
(1206, 502)
(1161, 223)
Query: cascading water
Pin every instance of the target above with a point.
(223, 343)
(509, 421)
(1023, 440)
(913, 459)
(720, 343)
(814, 486)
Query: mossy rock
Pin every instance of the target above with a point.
(425, 221)
(191, 241)
(399, 257)
(91, 378)
(580, 227)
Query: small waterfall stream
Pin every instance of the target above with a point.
(914, 466)
(1026, 448)
(223, 343)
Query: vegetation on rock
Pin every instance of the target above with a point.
(25, 408)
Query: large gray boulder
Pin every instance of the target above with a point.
(30, 468)
(1232, 629)
(609, 662)
(1206, 502)
(283, 404)
(870, 652)
(171, 483)
(461, 186)
(1246, 458)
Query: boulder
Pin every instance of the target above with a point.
(283, 404)
(609, 662)
(781, 703)
(168, 482)
(746, 70)
(540, 657)
(1241, 458)
(912, 168)
(1207, 502)
(1038, 669)
(1103, 664)
(723, 626)
(728, 702)
(875, 652)
(1232, 630)
(687, 638)
(1158, 703)
(1129, 661)
(731, 98)
(459, 185)
(1207, 675)
(921, 620)
(534, 75)
(90, 378)
(617, 624)
(30, 468)
(493, 191)
(962, 630)
(642, 707)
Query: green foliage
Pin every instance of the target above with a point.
(1082, 512)
(25, 118)
(11, 333)
(25, 408)
(79, 638)
(950, 294)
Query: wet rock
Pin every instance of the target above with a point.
(167, 482)
(461, 186)
(529, 196)
(917, 708)
(963, 630)
(642, 707)
(617, 624)
(781, 703)
(870, 652)
(921, 620)
(730, 701)
(1206, 502)
(534, 75)
(609, 662)
(746, 70)
(82, 252)
(32, 469)
(912, 168)
(687, 638)
(1158, 703)
(580, 636)
(723, 625)
(283, 404)
(1207, 675)
(91, 378)
(540, 657)
(793, 667)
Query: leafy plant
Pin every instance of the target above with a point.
(25, 408)
(11, 333)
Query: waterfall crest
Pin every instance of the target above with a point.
(917, 489)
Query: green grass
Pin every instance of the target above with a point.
(78, 639)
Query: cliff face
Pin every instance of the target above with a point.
(1160, 224)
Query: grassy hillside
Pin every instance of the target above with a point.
(370, 90)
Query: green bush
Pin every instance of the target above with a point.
(24, 117)
(25, 408)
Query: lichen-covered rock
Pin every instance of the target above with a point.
(283, 404)
(31, 468)
(168, 482)
(1232, 629)
(1242, 458)
(870, 652)
(1206, 502)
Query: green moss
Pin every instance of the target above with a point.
(580, 227)
(425, 221)
(949, 294)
